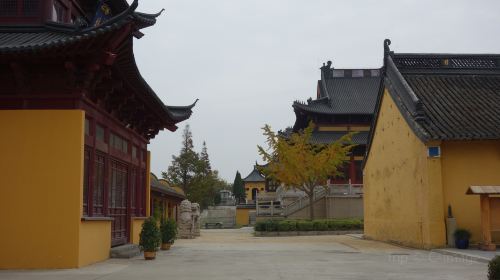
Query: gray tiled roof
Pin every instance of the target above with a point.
(161, 188)
(69, 39)
(54, 35)
(447, 97)
(254, 176)
(346, 95)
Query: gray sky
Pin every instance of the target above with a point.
(247, 61)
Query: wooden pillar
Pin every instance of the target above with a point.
(486, 224)
(352, 171)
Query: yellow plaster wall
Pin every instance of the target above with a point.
(403, 201)
(467, 163)
(135, 229)
(242, 216)
(41, 185)
(95, 241)
(261, 186)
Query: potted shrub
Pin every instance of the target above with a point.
(462, 237)
(150, 238)
(494, 269)
(168, 230)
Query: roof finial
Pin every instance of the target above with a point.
(327, 69)
(387, 50)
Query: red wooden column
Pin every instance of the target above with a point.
(486, 224)
(352, 171)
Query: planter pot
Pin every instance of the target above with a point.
(166, 246)
(462, 243)
(149, 255)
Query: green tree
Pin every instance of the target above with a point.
(298, 163)
(184, 167)
(238, 188)
(205, 161)
(193, 172)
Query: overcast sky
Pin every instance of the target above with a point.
(247, 61)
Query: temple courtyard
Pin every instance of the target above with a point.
(237, 254)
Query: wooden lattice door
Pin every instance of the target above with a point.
(118, 203)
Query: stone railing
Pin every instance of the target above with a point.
(345, 189)
(320, 192)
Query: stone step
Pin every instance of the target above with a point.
(126, 251)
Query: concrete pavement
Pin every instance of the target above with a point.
(236, 254)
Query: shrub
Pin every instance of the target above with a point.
(283, 226)
(271, 225)
(345, 224)
(494, 269)
(150, 236)
(168, 231)
(260, 226)
(461, 234)
(305, 225)
(292, 225)
(320, 225)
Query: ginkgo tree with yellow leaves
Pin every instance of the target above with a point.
(298, 163)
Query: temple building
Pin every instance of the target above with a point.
(165, 199)
(434, 150)
(76, 116)
(254, 183)
(345, 102)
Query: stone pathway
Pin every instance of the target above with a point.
(472, 254)
(236, 254)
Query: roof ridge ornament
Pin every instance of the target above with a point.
(387, 50)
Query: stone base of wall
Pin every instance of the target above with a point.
(306, 233)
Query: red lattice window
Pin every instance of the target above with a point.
(23, 8)
(133, 191)
(98, 191)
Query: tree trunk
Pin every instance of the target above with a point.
(311, 206)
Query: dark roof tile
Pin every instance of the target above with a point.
(345, 95)
(254, 176)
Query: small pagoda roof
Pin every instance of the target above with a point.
(345, 91)
(483, 190)
(254, 176)
(447, 96)
(162, 186)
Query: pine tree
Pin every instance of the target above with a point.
(193, 172)
(185, 166)
(207, 168)
(238, 188)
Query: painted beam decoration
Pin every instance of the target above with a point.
(102, 13)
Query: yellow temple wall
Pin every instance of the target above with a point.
(261, 186)
(403, 199)
(94, 242)
(40, 188)
(467, 163)
(243, 216)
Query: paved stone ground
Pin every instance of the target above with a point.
(236, 254)
(471, 253)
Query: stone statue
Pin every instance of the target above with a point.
(185, 220)
(195, 208)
